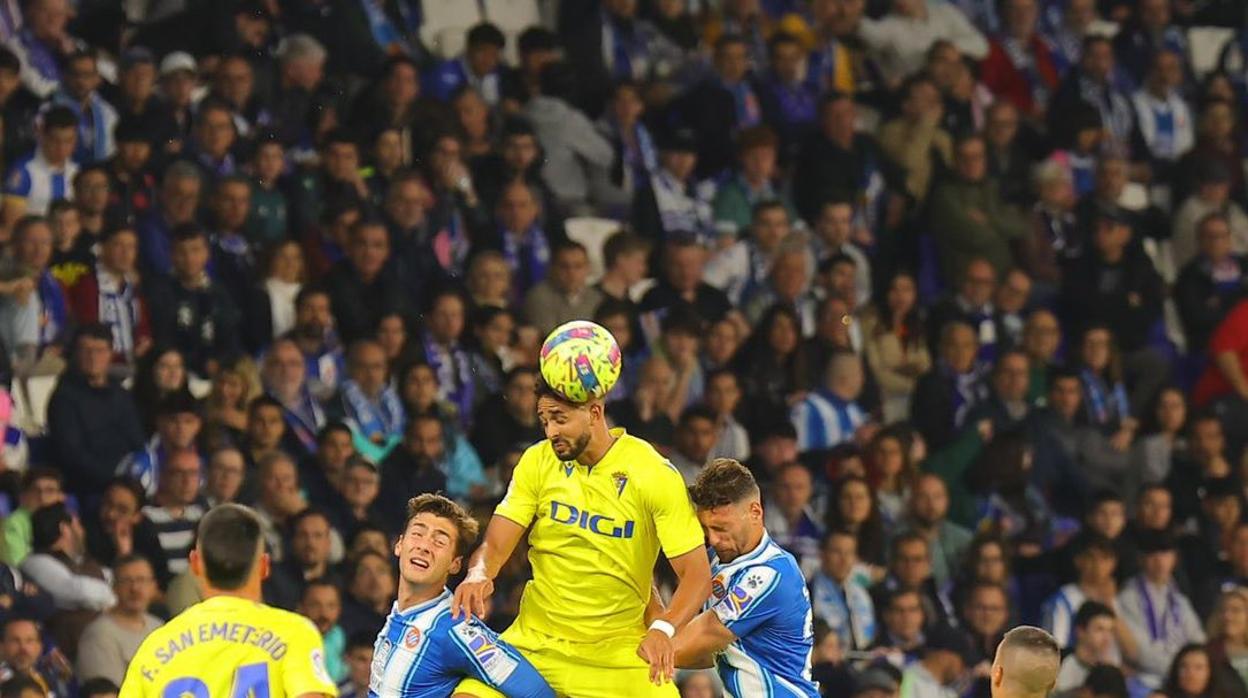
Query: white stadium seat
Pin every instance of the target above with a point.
(1206, 44)
(592, 233)
(445, 23)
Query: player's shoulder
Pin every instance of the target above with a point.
(643, 457)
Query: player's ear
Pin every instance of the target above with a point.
(457, 564)
(196, 563)
(756, 510)
(266, 566)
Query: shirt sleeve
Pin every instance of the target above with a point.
(674, 519)
(520, 502)
(755, 597)
(17, 183)
(303, 668)
(482, 655)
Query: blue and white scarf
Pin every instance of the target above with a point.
(456, 383)
(528, 255)
(1105, 404)
(377, 420)
(54, 315)
(95, 129)
(119, 309)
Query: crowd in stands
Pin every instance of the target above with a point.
(961, 281)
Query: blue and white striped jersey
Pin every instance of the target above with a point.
(761, 597)
(423, 653)
(34, 179)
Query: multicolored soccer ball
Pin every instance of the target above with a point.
(581, 361)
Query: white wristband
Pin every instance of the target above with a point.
(664, 627)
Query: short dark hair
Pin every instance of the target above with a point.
(621, 243)
(228, 537)
(20, 684)
(93, 330)
(537, 38)
(37, 473)
(781, 37)
(724, 481)
(1091, 610)
(485, 33)
(98, 686)
(261, 402)
(466, 527)
(330, 428)
(58, 117)
(45, 525)
(361, 639)
(905, 538)
(185, 232)
(696, 412)
(129, 484)
(60, 206)
(319, 582)
(307, 513)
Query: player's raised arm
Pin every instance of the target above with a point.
(698, 642)
(502, 535)
(694, 572)
(511, 519)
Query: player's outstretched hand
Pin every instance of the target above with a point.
(470, 596)
(657, 649)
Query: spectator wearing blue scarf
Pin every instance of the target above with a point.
(96, 118)
(523, 241)
(367, 402)
(33, 311)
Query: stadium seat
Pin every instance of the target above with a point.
(199, 387)
(1205, 45)
(592, 233)
(39, 392)
(444, 25)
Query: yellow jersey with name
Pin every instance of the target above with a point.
(596, 535)
(227, 647)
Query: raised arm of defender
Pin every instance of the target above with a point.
(502, 535)
(694, 571)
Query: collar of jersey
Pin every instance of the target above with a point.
(749, 557)
(422, 607)
(617, 432)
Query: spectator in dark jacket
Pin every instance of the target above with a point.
(364, 286)
(94, 419)
(1211, 284)
(1115, 285)
(190, 311)
(944, 395)
(722, 105)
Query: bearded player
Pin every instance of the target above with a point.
(599, 506)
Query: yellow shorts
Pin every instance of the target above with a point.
(574, 677)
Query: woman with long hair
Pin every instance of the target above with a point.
(853, 509)
(1164, 428)
(772, 365)
(892, 475)
(893, 340)
(1105, 400)
(1227, 631)
(225, 408)
(1192, 676)
(160, 373)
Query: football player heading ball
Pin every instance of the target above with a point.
(599, 505)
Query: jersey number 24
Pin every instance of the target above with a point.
(250, 681)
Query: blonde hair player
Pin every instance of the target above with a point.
(1026, 664)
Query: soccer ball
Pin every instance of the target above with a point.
(580, 360)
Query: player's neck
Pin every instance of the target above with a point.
(415, 594)
(597, 448)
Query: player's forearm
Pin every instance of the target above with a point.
(694, 588)
(502, 535)
(698, 642)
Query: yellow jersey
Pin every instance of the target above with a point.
(596, 535)
(227, 647)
